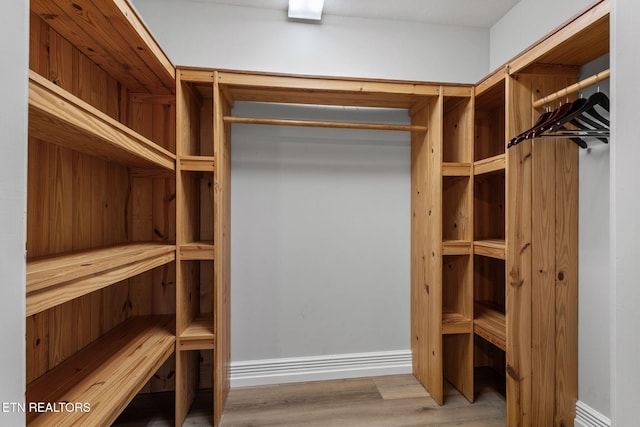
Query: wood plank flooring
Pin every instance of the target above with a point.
(389, 401)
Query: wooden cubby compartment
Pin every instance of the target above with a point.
(489, 215)
(457, 130)
(456, 209)
(490, 123)
(489, 299)
(457, 294)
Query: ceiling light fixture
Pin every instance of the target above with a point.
(306, 9)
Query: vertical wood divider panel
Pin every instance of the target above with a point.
(186, 365)
(222, 239)
(566, 276)
(419, 295)
(518, 268)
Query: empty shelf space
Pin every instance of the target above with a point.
(106, 374)
(197, 163)
(111, 34)
(456, 247)
(54, 280)
(492, 248)
(455, 323)
(59, 117)
(199, 334)
(490, 165)
(456, 169)
(489, 323)
(197, 251)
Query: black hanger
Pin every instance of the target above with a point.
(585, 106)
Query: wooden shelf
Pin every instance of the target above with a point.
(195, 251)
(492, 248)
(456, 247)
(110, 33)
(456, 169)
(489, 323)
(455, 323)
(197, 163)
(57, 116)
(106, 374)
(199, 334)
(54, 280)
(490, 165)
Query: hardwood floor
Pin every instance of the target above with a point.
(390, 401)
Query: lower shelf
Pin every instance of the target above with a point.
(199, 334)
(105, 375)
(489, 323)
(455, 323)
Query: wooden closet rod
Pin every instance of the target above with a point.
(603, 75)
(321, 124)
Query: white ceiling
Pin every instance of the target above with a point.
(477, 13)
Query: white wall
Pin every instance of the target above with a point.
(320, 235)
(14, 30)
(526, 23)
(222, 36)
(625, 205)
(593, 330)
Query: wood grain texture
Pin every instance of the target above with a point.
(111, 34)
(457, 210)
(492, 248)
(324, 124)
(92, 270)
(59, 117)
(419, 296)
(566, 283)
(222, 239)
(106, 374)
(490, 121)
(543, 219)
(518, 265)
(489, 323)
(490, 165)
(579, 41)
(457, 142)
(433, 249)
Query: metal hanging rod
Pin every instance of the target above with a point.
(324, 124)
(589, 81)
(602, 133)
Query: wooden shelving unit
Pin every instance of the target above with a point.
(101, 250)
(106, 375)
(197, 221)
(456, 175)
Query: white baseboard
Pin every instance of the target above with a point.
(586, 416)
(316, 368)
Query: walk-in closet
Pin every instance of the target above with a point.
(129, 273)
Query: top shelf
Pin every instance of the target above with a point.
(57, 116)
(112, 35)
(578, 42)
